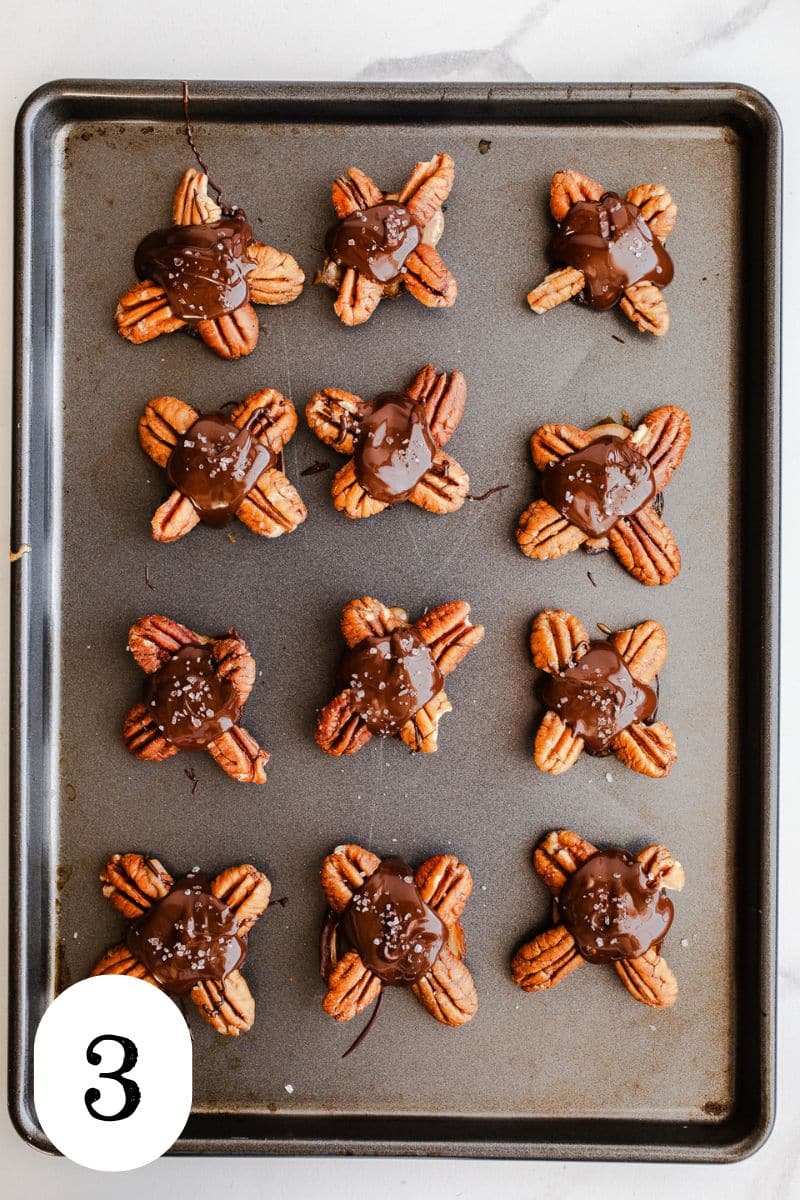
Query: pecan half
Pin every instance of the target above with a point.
(367, 617)
(558, 640)
(228, 1007)
(143, 313)
(173, 519)
(118, 960)
(445, 396)
(273, 507)
(556, 747)
(192, 204)
(340, 729)
(448, 991)
(421, 732)
(644, 649)
(428, 279)
(240, 756)
(354, 191)
(357, 299)
(155, 638)
(236, 664)
(545, 960)
(445, 884)
(560, 285)
(668, 432)
(559, 855)
(661, 868)
(232, 335)
(245, 891)
(567, 188)
(542, 533)
(649, 979)
(428, 186)
(344, 872)
(333, 415)
(131, 882)
(143, 738)
(646, 547)
(444, 486)
(657, 207)
(449, 634)
(648, 749)
(351, 988)
(350, 497)
(552, 442)
(276, 424)
(164, 420)
(643, 303)
(277, 278)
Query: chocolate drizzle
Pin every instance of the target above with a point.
(215, 464)
(597, 485)
(598, 697)
(192, 703)
(612, 910)
(390, 677)
(398, 936)
(394, 447)
(610, 241)
(376, 241)
(202, 269)
(188, 936)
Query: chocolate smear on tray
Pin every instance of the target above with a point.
(376, 241)
(598, 697)
(391, 677)
(192, 703)
(612, 910)
(610, 241)
(188, 936)
(202, 269)
(215, 464)
(597, 485)
(394, 448)
(398, 936)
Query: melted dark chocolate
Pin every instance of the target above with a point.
(376, 241)
(192, 704)
(611, 910)
(598, 697)
(394, 448)
(610, 241)
(391, 677)
(188, 936)
(215, 464)
(596, 486)
(202, 268)
(397, 935)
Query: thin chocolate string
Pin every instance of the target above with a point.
(366, 1028)
(190, 139)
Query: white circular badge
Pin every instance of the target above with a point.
(112, 1073)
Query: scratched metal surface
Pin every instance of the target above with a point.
(583, 1052)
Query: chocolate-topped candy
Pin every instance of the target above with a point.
(375, 241)
(398, 936)
(598, 697)
(390, 678)
(203, 269)
(216, 463)
(610, 242)
(192, 703)
(394, 448)
(608, 249)
(597, 485)
(612, 909)
(188, 936)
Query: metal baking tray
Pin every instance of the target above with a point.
(578, 1072)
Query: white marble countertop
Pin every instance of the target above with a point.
(747, 41)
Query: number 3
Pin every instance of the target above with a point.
(130, 1056)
